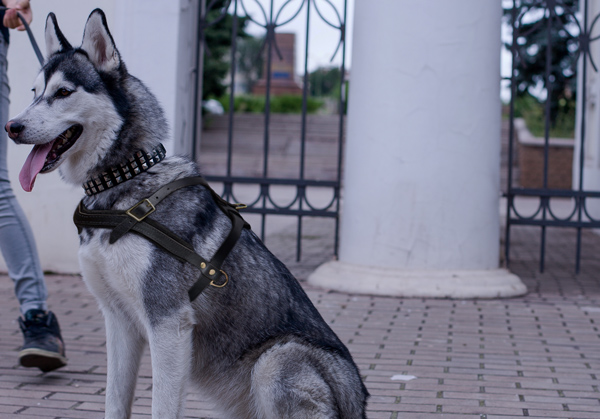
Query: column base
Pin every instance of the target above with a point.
(493, 283)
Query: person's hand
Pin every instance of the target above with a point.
(11, 20)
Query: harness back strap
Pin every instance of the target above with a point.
(135, 220)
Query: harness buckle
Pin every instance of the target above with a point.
(135, 212)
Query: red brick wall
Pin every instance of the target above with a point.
(531, 165)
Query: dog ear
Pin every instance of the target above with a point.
(99, 44)
(55, 40)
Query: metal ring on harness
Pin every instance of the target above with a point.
(212, 283)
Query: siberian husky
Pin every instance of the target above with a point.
(257, 346)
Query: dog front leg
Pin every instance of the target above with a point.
(125, 345)
(171, 353)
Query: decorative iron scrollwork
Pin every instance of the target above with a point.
(574, 26)
(271, 19)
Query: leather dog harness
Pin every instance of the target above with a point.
(135, 220)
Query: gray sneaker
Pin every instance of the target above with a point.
(43, 347)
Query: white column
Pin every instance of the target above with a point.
(591, 107)
(420, 214)
(146, 34)
(183, 126)
(49, 207)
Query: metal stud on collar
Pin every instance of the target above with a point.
(136, 164)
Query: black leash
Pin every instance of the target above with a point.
(34, 44)
(135, 220)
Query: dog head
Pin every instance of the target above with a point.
(74, 117)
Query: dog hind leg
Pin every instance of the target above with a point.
(287, 382)
(125, 346)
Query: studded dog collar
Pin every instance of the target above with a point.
(136, 164)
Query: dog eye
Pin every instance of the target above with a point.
(62, 92)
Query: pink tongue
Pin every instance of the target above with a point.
(34, 163)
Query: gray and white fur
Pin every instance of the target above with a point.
(258, 347)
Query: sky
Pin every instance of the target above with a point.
(323, 38)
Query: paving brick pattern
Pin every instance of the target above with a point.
(534, 356)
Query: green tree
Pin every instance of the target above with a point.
(325, 81)
(218, 39)
(532, 47)
(250, 61)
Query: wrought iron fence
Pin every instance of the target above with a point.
(548, 19)
(272, 18)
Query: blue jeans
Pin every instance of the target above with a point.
(16, 239)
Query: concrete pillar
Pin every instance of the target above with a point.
(187, 78)
(591, 108)
(420, 214)
(146, 33)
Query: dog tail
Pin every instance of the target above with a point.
(349, 391)
(341, 374)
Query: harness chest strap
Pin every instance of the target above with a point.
(135, 220)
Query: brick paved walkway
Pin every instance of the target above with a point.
(536, 356)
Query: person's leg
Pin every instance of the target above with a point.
(43, 347)
(18, 249)
(16, 239)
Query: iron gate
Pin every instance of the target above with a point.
(570, 20)
(272, 18)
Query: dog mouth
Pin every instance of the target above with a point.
(61, 144)
(45, 157)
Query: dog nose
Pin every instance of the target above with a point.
(14, 128)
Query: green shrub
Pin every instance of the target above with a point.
(533, 111)
(293, 104)
(279, 104)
